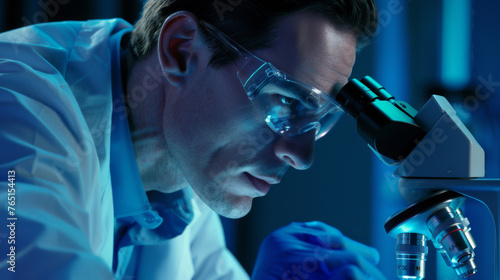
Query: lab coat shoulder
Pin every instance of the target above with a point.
(47, 142)
(45, 47)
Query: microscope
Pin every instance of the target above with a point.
(439, 164)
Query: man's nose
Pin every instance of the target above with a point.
(297, 151)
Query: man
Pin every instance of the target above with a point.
(124, 151)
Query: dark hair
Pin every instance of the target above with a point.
(251, 22)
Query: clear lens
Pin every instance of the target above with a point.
(294, 107)
(289, 107)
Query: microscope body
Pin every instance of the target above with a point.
(439, 162)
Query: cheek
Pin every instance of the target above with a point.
(187, 128)
(213, 116)
(203, 117)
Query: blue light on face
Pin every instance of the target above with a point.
(455, 49)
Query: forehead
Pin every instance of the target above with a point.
(308, 47)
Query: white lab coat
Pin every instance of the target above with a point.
(64, 132)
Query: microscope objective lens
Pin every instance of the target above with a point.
(451, 233)
(411, 254)
(437, 218)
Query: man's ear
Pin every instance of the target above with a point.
(178, 44)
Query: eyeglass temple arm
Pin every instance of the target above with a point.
(246, 64)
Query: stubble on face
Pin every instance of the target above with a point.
(204, 126)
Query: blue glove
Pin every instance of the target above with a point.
(313, 251)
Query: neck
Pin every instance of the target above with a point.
(145, 88)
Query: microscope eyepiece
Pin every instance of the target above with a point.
(354, 97)
(388, 126)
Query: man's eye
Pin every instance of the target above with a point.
(287, 100)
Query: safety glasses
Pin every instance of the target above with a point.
(288, 106)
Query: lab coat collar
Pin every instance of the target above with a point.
(177, 212)
(129, 196)
(158, 216)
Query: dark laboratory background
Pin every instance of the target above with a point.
(425, 47)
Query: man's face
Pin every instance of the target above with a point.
(223, 148)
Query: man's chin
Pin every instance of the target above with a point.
(235, 210)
